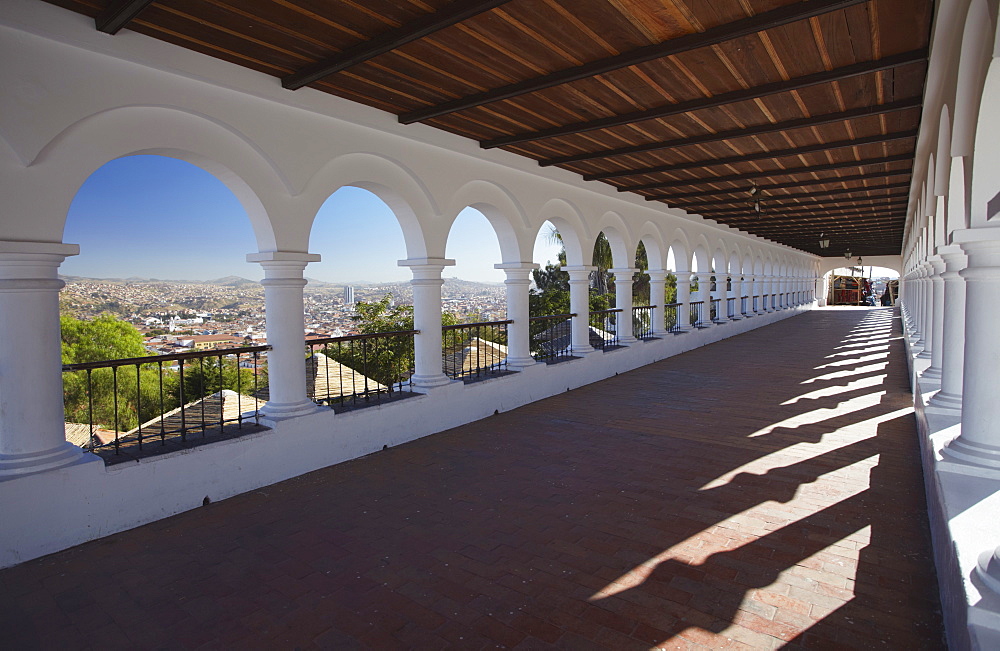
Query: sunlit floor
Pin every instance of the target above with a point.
(761, 492)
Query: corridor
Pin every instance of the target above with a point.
(761, 492)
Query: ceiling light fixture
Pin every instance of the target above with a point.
(824, 242)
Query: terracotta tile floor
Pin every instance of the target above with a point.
(761, 492)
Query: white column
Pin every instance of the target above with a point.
(734, 292)
(426, 284)
(683, 300)
(979, 440)
(32, 430)
(953, 329)
(988, 569)
(286, 362)
(658, 298)
(579, 304)
(623, 301)
(518, 333)
(936, 306)
(766, 291)
(704, 295)
(926, 311)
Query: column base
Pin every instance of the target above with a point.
(282, 410)
(944, 400)
(660, 333)
(931, 373)
(923, 354)
(582, 350)
(988, 569)
(972, 453)
(18, 465)
(419, 382)
(628, 341)
(521, 362)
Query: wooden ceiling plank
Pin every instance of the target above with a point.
(778, 209)
(725, 32)
(778, 186)
(742, 95)
(804, 195)
(763, 155)
(118, 14)
(391, 39)
(767, 173)
(826, 118)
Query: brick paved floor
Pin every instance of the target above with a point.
(761, 492)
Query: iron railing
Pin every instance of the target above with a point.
(604, 328)
(774, 301)
(756, 304)
(697, 312)
(744, 305)
(642, 321)
(731, 307)
(132, 403)
(715, 311)
(551, 337)
(670, 317)
(472, 351)
(359, 370)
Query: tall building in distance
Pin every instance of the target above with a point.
(349, 295)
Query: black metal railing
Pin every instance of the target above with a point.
(359, 370)
(744, 305)
(715, 311)
(774, 301)
(551, 337)
(473, 351)
(697, 312)
(604, 328)
(642, 321)
(135, 402)
(670, 317)
(731, 307)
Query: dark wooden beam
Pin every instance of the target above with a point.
(834, 217)
(772, 209)
(801, 195)
(762, 155)
(885, 160)
(767, 20)
(453, 13)
(118, 14)
(742, 95)
(827, 118)
(778, 186)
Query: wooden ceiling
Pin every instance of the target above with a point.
(813, 105)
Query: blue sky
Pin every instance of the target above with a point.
(158, 217)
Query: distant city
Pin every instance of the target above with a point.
(177, 316)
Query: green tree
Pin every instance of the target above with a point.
(108, 397)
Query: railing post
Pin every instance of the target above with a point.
(518, 333)
(426, 284)
(979, 441)
(657, 298)
(579, 304)
(953, 329)
(284, 313)
(623, 301)
(683, 300)
(32, 430)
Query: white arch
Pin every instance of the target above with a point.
(977, 45)
(394, 184)
(74, 154)
(504, 213)
(983, 204)
(568, 221)
(655, 251)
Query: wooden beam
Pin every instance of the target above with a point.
(769, 19)
(778, 186)
(885, 160)
(835, 217)
(777, 218)
(762, 155)
(826, 118)
(118, 14)
(801, 195)
(452, 13)
(742, 95)
(772, 209)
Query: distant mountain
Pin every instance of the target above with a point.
(232, 281)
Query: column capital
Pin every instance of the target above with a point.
(579, 273)
(283, 268)
(426, 265)
(657, 275)
(8, 248)
(517, 266)
(623, 270)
